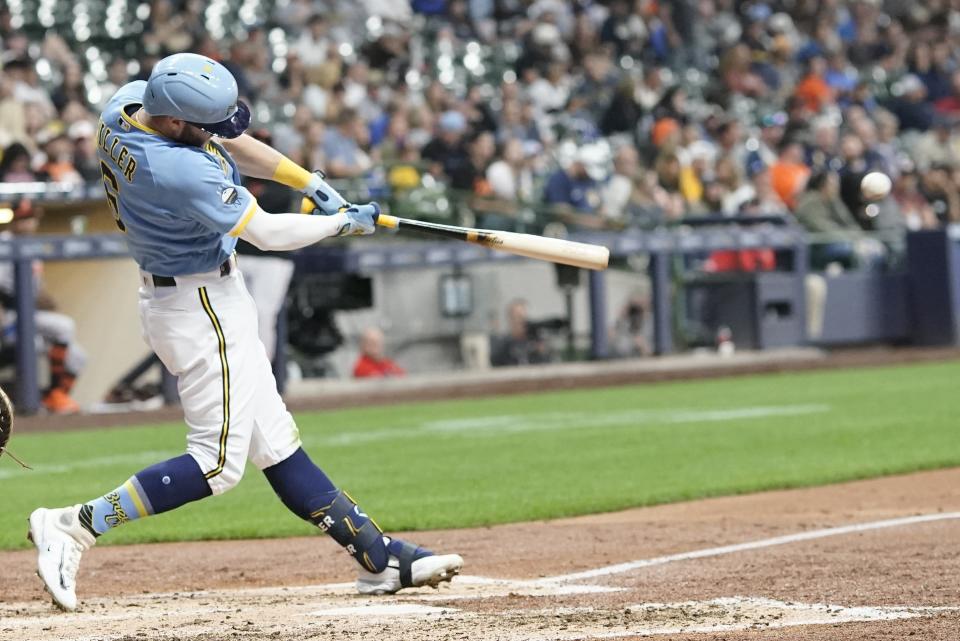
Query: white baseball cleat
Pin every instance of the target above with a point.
(60, 541)
(409, 566)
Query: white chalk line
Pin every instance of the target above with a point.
(757, 613)
(811, 535)
(383, 610)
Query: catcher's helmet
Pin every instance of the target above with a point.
(199, 90)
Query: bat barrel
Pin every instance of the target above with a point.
(556, 250)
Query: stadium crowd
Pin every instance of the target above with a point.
(625, 112)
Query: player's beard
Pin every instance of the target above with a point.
(191, 135)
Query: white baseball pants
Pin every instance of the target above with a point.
(205, 331)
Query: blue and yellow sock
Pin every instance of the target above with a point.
(126, 503)
(159, 488)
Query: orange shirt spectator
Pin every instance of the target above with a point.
(663, 130)
(367, 367)
(813, 90)
(788, 175)
(372, 363)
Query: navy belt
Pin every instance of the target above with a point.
(226, 268)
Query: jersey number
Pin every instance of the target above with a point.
(112, 187)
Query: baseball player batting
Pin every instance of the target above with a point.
(172, 151)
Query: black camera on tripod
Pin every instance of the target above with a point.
(541, 328)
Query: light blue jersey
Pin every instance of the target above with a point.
(181, 206)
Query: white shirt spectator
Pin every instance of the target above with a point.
(312, 51)
(547, 97)
(508, 183)
(615, 196)
(562, 12)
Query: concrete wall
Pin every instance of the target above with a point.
(101, 296)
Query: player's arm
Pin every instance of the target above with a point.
(260, 160)
(284, 232)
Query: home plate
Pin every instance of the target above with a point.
(384, 609)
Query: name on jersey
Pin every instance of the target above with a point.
(122, 158)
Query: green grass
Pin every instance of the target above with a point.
(517, 458)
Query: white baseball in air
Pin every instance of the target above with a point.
(875, 186)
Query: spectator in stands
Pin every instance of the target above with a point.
(628, 337)
(756, 196)
(517, 123)
(597, 86)
(575, 190)
(940, 188)
(822, 211)
(911, 106)
(27, 87)
(85, 161)
(940, 145)
(342, 147)
(618, 193)
(58, 331)
(13, 126)
(821, 153)
(510, 177)
(472, 176)
(71, 89)
(736, 71)
(522, 344)
(772, 129)
(820, 208)
(789, 174)
(549, 94)
(813, 89)
(476, 108)
(117, 76)
(372, 362)
(447, 152)
(917, 212)
(949, 104)
(15, 165)
(313, 46)
(58, 150)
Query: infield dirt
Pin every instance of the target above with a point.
(891, 583)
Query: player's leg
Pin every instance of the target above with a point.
(62, 535)
(387, 564)
(199, 334)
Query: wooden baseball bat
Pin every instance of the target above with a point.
(554, 250)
